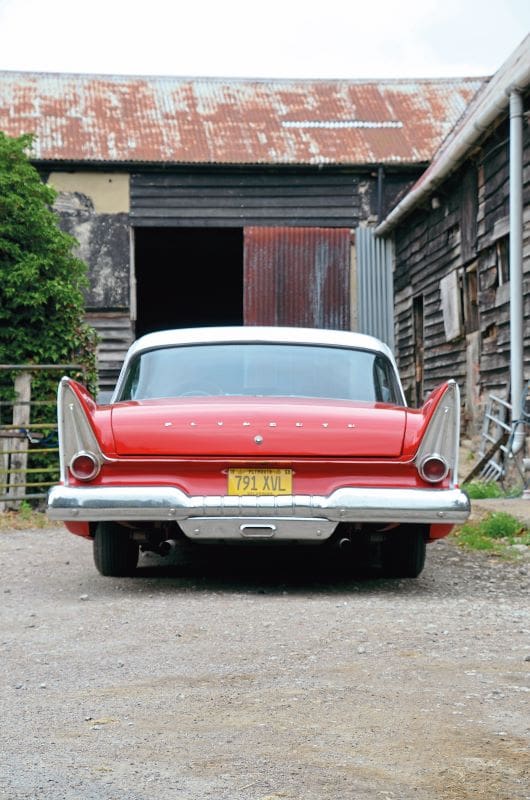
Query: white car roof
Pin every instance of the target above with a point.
(251, 333)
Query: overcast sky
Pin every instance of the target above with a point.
(272, 38)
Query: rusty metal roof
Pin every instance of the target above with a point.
(165, 120)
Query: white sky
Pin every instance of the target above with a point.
(272, 38)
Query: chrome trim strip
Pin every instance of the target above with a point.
(162, 503)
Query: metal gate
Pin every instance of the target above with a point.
(29, 458)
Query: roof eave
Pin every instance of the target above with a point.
(162, 165)
(491, 103)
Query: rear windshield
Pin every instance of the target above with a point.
(262, 370)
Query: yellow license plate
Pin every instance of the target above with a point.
(260, 481)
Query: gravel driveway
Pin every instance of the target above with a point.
(288, 682)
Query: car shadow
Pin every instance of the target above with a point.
(263, 573)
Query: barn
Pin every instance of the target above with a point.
(210, 201)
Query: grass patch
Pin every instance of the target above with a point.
(483, 490)
(496, 534)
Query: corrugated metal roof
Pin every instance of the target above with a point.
(96, 118)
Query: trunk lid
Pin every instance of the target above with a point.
(258, 428)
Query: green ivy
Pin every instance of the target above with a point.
(41, 280)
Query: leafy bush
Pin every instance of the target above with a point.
(41, 280)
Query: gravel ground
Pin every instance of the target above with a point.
(217, 681)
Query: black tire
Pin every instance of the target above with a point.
(404, 554)
(115, 553)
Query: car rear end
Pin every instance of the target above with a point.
(247, 468)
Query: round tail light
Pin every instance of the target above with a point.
(84, 466)
(433, 469)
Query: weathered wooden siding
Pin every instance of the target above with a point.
(493, 257)
(232, 198)
(427, 248)
(464, 230)
(116, 334)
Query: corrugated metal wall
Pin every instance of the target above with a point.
(297, 276)
(375, 298)
(235, 198)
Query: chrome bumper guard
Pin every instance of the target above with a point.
(289, 514)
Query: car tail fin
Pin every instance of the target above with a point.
(76, 436)
(437, 455)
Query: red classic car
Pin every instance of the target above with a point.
(259, 435)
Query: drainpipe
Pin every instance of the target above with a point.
(380, 191)
(516, 262)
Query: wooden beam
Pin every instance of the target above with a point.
(487, 456)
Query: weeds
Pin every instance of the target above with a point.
(497, 534)
(483, 490)
(26, 517)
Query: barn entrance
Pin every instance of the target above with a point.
(188, 277)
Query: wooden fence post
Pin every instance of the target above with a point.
(4, 467)
(19, 445)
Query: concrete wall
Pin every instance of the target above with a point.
(94, 208)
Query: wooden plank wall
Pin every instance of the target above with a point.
(493, 250)
(116, 334)
(237, 198)
(464, 228)
(427, 249)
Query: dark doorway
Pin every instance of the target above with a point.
(188, 277)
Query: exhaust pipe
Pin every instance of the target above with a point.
(167, 547)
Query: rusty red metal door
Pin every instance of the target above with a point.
(297, 276)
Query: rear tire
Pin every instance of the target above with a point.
(404, 554)
(115, 553)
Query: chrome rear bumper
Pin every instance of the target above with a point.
(289, 514)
